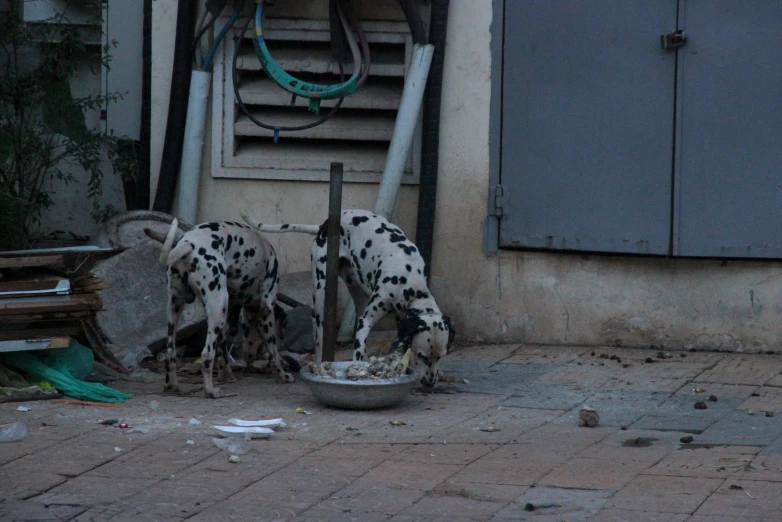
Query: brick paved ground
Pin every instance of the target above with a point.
(441, 465)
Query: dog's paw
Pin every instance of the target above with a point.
(286, 377)
(216, 393)
(171, 388)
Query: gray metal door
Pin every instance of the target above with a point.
(729, 140)
(587, 125)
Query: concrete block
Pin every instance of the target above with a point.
(136, 296)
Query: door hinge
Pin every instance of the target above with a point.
(498, 201)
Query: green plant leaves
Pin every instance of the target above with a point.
(60, 111)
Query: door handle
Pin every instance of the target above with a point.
(672, 41)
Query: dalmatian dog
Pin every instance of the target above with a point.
(227, 266)
(384, 273)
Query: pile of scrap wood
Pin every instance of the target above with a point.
(48, 296)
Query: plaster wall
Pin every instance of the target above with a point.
(511, 296)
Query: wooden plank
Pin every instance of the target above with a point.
(23, 285)
(30, 261)
(36, 343)
(38, 331)
(50, 304)
(46, 317)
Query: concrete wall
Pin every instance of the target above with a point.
(268, 201)
(523, 296)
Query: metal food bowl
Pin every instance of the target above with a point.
(363, 394)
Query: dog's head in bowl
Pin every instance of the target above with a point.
(429, 335)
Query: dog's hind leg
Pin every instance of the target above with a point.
(216, 308)
(176, 290)
(268, 320)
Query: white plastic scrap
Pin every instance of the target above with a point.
(252, 432)
(270, 423)
(194, 422)
(233, 445)
(23, 408)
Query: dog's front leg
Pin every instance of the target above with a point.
(372, 314)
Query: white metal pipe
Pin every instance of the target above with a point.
(398, 152)
(404, 128)
(193, 146)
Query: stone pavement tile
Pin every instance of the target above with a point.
(504, 425)
(452, 507)
(754, 500)
(269, 503)
(39, 436)
(327, 424)
(320, 475)
(424, 423)
(661, 376)
(83, 453)
(740, 428)
(669, 440)
(774, 448)
(622, 515)
(376, 452)
(26, 483)
(548, 397)
(775, 381)
(565, 439)
(631, 355)
(555, 505)
(388, 488)
(719, 462)
(500, 493)
(500, 379)
(316, 514)
(447, 394)
(87, 490)
(688, 423)
(722, 391)
(33, 511)
(460, 454)
(603, 467)
(546, 354)
(524, 464)
(588, 376)
(762, 467)
(768, 399)
(617, 407)
(158, 459)
(743, 369)
(487, 353)
(663, 494)
(211, 481)
(678, 413)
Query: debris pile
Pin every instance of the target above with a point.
(385, 367)
(47, 296)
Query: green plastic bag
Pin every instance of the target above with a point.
(65, 369)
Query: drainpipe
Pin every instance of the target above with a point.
(402, 138)
(427, 189)
(192, 153)
(177, 107)
(404, 128)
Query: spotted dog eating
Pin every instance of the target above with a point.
(384, 273)
(225, 265)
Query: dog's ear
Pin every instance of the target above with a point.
(410, 325)
(451, 332)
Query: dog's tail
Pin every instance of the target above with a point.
(305, 229)
(169, 255)
(169, 242)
